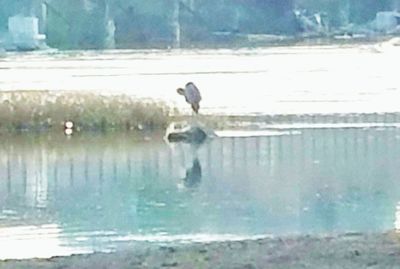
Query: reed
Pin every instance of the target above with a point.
(37, 111)
(44, 110)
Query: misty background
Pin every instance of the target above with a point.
(100, 24)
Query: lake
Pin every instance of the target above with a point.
(92, 192)
(276, 80)
(64, 195)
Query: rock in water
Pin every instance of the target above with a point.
(193, 135)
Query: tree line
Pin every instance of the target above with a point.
(138, 23)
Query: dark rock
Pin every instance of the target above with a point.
(168, 249)
(173, 264)
(194, 135)
(249, 266)
(372, 263)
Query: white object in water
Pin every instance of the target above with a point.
(68, 131)
(253, 133)
(69, 124)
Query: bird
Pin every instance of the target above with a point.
(192, 95)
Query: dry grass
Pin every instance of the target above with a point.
(46, 111)
(42, 110)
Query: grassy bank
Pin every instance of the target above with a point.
(43, 110)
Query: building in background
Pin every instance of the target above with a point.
(22, 25)
(23, 34)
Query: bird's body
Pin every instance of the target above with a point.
(192, 95)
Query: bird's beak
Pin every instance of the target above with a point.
(179, 91)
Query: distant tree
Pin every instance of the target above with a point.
(248, 16)
(341, 12)
(337, 11)
(10, 8)
(77, 23)
(142, 23)
(269, 16)
(278, 6)
(93, 33)
(65, 20)
(4, 14)
(362, 11)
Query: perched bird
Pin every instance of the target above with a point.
(192, 95)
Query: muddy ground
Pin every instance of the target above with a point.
(341, 251)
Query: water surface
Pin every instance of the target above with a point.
(60, 195)
(280, 80)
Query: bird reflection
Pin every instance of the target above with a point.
(193, 175)
(194, 136)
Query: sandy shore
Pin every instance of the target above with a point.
(341, 251)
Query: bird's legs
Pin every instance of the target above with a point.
(196, 107)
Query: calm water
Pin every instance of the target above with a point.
(326, 79)
(62, 195)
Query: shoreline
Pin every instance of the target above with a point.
(350, 250)
(243, 41)
(47, 111)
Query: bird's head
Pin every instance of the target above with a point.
(180, 91)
